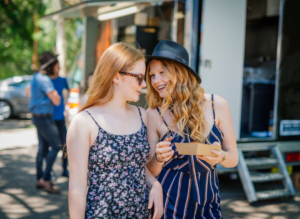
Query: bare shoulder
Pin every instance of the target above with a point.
(152, 113)
(153, 118)
(220, 103)
(207, 96)
(82, 119)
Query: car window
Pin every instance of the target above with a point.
(21, 84)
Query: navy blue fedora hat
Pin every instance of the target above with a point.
(171, 50)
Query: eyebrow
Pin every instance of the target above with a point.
(161, 69)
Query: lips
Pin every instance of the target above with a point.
(161, 87)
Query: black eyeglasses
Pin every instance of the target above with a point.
(140, 77)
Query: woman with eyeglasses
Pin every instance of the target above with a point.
(108, 138)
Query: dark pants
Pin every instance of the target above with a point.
(48, 135)
(61, 125)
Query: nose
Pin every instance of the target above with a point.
(143, 84)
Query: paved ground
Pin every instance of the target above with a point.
(20, 199)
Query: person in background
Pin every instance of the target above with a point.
(43, 97)
(60, 85)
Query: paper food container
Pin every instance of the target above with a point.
(196, 149)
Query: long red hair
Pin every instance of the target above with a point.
(118, 57)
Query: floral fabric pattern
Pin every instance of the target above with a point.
(117, 185)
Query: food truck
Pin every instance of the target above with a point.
(245, 51)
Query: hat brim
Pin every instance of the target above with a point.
(149, 58)
(51, 61)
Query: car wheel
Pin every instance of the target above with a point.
(5, 110)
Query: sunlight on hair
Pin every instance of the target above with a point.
(118, 57)
(188, 98)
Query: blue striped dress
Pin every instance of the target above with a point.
(190, 185)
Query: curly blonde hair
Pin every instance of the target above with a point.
(187, 99)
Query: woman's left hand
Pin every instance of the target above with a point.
(213, 160)
(156, 199)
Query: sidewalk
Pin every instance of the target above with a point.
(18, 138)
(20, 199)
(18, 196)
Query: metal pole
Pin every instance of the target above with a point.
(174, 21)
(195, 34)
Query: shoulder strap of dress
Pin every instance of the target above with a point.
(92, 118)
(213, 108)
(162, 117)
(140, 114)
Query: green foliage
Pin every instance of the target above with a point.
(16, 31)
(17, 35)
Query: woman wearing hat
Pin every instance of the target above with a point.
(180, 111)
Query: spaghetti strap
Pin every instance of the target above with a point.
(162, 117)
(92, 118)
(213, 108)
(140, 114)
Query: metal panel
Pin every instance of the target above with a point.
(246, 178)
(195, 34)
(284, 146)
(275, 114)
(222, 52)
(282, 167)
(89, 8)
(89, 42)
(288, 66)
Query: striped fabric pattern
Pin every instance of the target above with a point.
(190, 185)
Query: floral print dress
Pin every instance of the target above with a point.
(117, 186)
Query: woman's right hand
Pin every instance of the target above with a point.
(163, 150)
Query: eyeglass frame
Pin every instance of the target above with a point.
(140, 77)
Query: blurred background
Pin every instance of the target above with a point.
(247, 51)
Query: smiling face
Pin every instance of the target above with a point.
(129, 85)
(159, 77)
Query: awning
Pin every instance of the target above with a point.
(92, 8)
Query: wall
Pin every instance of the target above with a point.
(222, 52)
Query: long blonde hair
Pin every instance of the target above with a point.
(187, 99)
(118, 57)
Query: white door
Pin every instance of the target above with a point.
(222, 52)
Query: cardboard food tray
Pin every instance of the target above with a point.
(196, 149)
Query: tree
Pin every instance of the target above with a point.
(16, 35)
(21, 28)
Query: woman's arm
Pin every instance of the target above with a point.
(156, 193)
(78, 153)
(225, 124)
(228, 156)
(164, 152)
(155, 196)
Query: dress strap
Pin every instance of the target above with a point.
(162, 117)
(140, 114)
(213, 108)
(92, 118)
